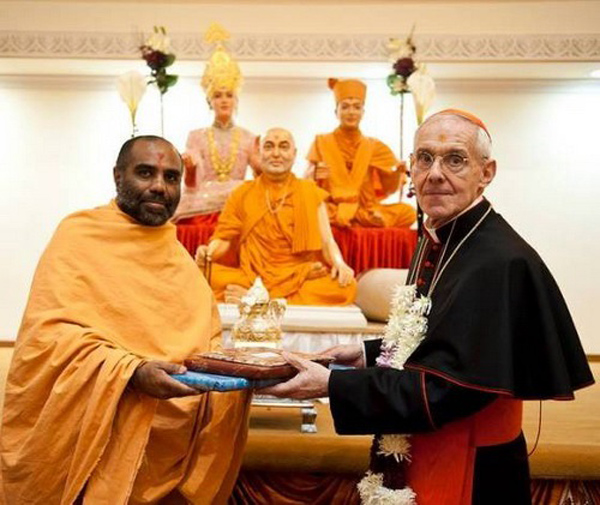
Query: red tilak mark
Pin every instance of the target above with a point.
(160, 156)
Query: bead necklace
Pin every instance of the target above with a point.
(277, 208)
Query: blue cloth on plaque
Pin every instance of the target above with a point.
(335, 366)
(212, 382)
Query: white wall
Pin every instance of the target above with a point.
(59, 134)
(548, 180)
(59, 137)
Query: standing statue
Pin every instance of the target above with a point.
(216, 158)
(357, 171)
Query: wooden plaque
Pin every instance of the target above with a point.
(250, 362)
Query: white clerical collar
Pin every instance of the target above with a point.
(431, 231)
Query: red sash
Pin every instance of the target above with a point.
(443, 462)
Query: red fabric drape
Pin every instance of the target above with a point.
(270, 488)
(362, 248)
(565, 492)
(195, 231)
(366, 248)
(255, 488)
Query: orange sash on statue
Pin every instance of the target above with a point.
(238, 218)
(345, 185)
(356, 190)
(281, 246)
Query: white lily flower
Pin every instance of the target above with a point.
(422, 86)
(131, 87)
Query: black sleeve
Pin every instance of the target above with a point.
(381, 400)
(372, 350)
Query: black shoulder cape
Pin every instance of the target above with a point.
(498, 321)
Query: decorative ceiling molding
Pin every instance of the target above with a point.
(308, 47)
(254, 84)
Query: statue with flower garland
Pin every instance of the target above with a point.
(216, 157)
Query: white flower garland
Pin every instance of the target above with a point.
(372, 492)
(404, 331)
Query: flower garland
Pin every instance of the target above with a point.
(384, 483)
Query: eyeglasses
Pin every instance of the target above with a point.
(453, 162)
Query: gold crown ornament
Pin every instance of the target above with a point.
(221, 71)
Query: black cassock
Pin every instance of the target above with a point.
(499, 331)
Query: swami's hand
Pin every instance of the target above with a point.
(349, 355)
(202, 255)
(377, 219)
(153, 378)
(311, 382)
(321, 171)
(343, 272)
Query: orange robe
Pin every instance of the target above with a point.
(280, 247)
(108, 294)
(362, 173)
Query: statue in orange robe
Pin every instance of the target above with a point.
(116, 297)
(281, 225)
(357, 171)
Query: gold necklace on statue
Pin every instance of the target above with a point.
(223, 167)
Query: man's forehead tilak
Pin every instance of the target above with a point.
(278, 135)
(160, 154)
